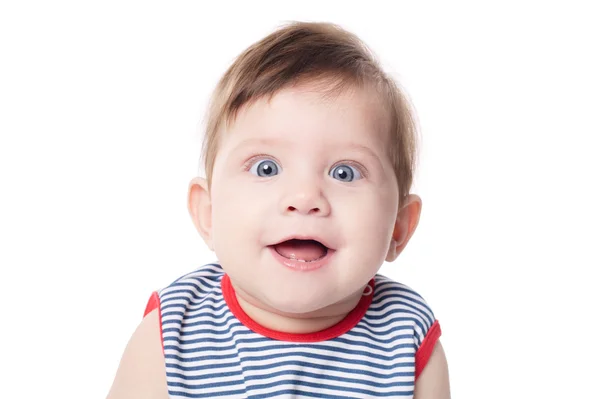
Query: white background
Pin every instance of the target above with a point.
(101, 107)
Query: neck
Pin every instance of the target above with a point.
(320, 325)
(307, 323)
(293, 324)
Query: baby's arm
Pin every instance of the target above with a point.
(433, 382)
(141, 373)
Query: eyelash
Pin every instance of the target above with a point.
(360, 167)
(248, 164)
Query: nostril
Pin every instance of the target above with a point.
(313, 210)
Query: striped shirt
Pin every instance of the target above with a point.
(213, 349)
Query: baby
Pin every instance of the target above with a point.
(309, 156)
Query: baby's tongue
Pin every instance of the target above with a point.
(306, 250)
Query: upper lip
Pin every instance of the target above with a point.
(326, 242)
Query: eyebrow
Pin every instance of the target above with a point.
(363, 148)
(271, 142)
(277, 142)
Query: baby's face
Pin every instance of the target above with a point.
(304, 167)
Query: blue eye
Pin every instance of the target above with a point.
(345, 172)
(265, 168)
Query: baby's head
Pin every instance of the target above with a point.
(309, 156)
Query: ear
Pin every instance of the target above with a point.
(200, 209)
(406, 224)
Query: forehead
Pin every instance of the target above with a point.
(311, 115)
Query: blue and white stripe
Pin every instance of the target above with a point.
(209, 353)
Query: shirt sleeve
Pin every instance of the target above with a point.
(426, 347)
(154, 303)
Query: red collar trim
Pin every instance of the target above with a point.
(345, 325)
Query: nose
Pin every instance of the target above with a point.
(306, 199)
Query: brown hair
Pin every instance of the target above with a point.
(318, 52)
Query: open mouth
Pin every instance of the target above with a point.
(301, 250)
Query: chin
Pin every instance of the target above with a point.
(292, 306)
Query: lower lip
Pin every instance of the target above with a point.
(302, 266)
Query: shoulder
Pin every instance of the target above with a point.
(141, 373)
(392, 297)
(407, 311)
(191, 289)
(202, 280)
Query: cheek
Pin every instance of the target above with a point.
(235, 215)
(369, 220)
(375, 232)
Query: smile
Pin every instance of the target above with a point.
(301, 255)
